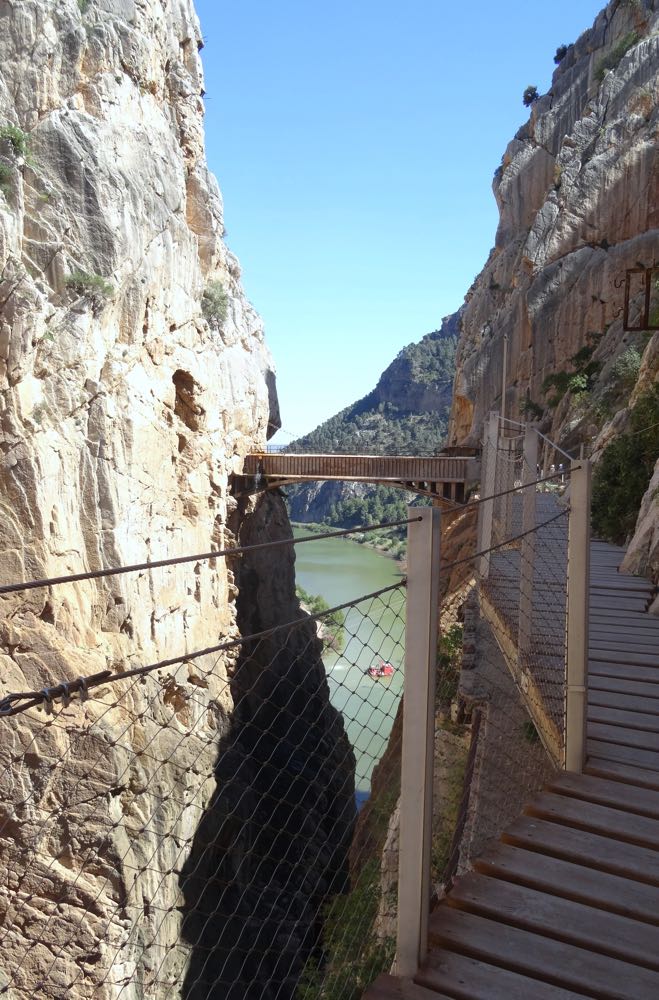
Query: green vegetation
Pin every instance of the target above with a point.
(6, 174)
(449, 663)
(624, 471)
(353, 957)
(530, 96)
(354, 961)
(387, 421)
(581, 380)
(561, 52)
(333, 624)
(91, 285)
(215, 304)
(17, 138)
(530, 410)
(529, 732)
(382, 422)
(84, 5)
(611, 60)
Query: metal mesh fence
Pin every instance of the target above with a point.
(197, 832)
(228, 827)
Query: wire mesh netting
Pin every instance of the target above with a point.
(167, 838)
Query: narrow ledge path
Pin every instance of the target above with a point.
(566, 904)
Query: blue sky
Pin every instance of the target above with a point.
(355, 143)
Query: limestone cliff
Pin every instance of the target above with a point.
(578, 195)
(133, 378)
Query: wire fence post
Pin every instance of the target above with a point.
(489, 472)
(527, 553)
(418, 738)
(578, 581)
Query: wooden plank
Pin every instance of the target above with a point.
(572, 881)
(556, 962)
(606, 715)
(616, 771)
(623, 670)
(391, 988)
(630, 656)
(625, 737)
(587, 849)
(644, 690)
(467, 978)
(646, 759)
(621, 642)
(607, 793)
(562, 919)
(628, 702)
(595, 818)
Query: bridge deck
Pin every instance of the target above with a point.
(406, 468)
(566, 905)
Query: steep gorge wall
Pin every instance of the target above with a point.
(123, 412)
(578, 195)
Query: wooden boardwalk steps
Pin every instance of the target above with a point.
(566, 905)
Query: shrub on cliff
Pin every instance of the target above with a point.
(624, 471)
(5, 178)
(215, 304)
(561, 52)
(530, 96)
(16, 137)
(611, 60)
(94, 286)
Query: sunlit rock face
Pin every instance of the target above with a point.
(124, 408)
(578, 197)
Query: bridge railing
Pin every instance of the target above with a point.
(535, 582)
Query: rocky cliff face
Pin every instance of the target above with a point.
(578, 190)
(133, 378)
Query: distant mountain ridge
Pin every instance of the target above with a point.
(405, 414)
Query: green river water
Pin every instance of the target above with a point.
(340, 571)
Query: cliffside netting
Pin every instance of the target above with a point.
(205, 860)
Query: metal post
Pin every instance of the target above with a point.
(578, 584)
(503, 376)
(423, 541)
(488, 482)
(527, 553)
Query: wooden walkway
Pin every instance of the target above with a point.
(566, 905)
(444, 477)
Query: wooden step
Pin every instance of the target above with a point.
(607, 793)
(624, 671)
(631, 656)
(588, 849)
(547, 915)
(616, 771)
(646, 759)
(572, 881)
(588, 816)
(625, 702)
(466, 978)
(391, 988)
(644, 691)
(531, 954)
(608, 716)
(625, 737)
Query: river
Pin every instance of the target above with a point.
(341, 570)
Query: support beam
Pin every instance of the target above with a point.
(418, 738)
(578, 586)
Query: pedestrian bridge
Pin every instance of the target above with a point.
(443, 477)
